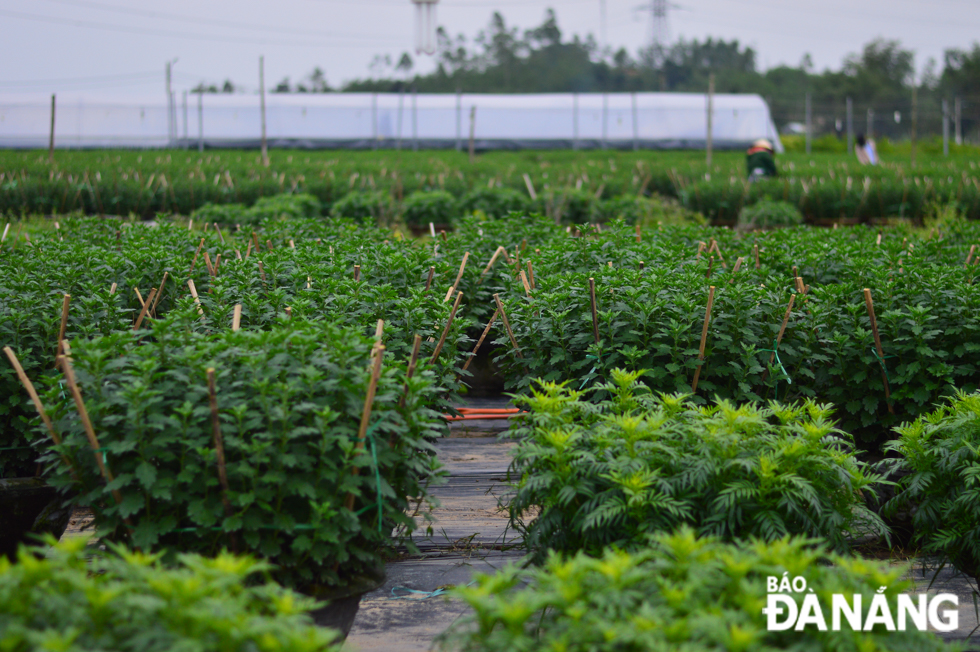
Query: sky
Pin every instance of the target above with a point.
(120, 47)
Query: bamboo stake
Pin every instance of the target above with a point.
(156, 301)
(445, 331)
(268, 243)
(459, 276)
(220, 234)
(377, 356)
(207, 261)
(449, 293)
(756, 251)
(878, 242)
(530, 275)
(779, 337)
(357, 272)
(428, 281)
(510, 333)
(969, 256)
(139, 296)
(262, 272)
(146, 306)
(738, 263)
(413, 361)
(236, 318)
(248, 250)
(704, 338)
(711, 264)
(642, 264)
(197, 300)
(527, 286)
(292, 245)
(64, 321)
(595, 316)
(87, 424)
(493, 259)
(717, 250)
(6, 229)
(486, 331)
(701, 247)
(869, 303)
(196, 254)
(29, 386)
(379, 330)
(217, 264)
(255, 241)
(112, 289)
(289, 312)
(638, 237)
(219, 450)
(238, 254)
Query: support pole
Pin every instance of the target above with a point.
(374, 121)
(51, 136)
(170, 111)
(575, 144)
(459, 120)
(200, 120)
(636, 123)
(265, 146)
(915, 119)
(958, 120)
(605, 119)
(945, 128)
(809, 123)
(850, 126)
(472, 134)
(711, 102)
(185, 121)
(415, 118)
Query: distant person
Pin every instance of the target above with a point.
(865, 150)
(761, 160)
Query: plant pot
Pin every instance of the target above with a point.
(29, 505)
(343, 603)
(419, 230)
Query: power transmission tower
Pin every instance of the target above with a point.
(659, 26)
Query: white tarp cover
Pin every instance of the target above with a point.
(367, 120)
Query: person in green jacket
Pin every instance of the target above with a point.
(760, 160)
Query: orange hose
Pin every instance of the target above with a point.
(475, 417)
(466, 410)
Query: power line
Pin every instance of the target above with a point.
(208, 21)
(142, 31)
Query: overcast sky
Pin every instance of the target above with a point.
(119, 47)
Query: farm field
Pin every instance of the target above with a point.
(276, 374)
(572, 185)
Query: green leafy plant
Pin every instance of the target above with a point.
(300, 485)
(684, 592)
(768, 214)
(422, 207)
(611, 473)
(494, 202)
(366, 207)
(938, 469)
(224, 214)
(130, 601)
(284, 206)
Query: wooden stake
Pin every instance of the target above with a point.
(156, 301)
(701, 247)
(196, 254)
(220, 234)
(969, 256)
(527, 286)
(595, 315)
(64, 320)
(642, 264)
(756, 251)
(377, 355)
(255, 241)
(530, 275)
(412, 364)
(268, 243)
(292, 245)
(146, 306)
(878, 242)
(704, 339)
(493, 259)
(638, 231)
(738, 263)
(6, 229)
(248, 250)
(357, 272)
(779, 337)
(510, 333)
(717, 250)
(486, 331)
(379, 330)
(711, 264)
(217, 264)
(459, 276)
(236, 318)
(219, 450)
(445, 331)
(869, 303)
(262, 272)
(29, 386)
(197, 300)
(87, 424)
(428, 281)
(139, 296)
(207, 261)
(112, 289)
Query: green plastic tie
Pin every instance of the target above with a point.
(775, 351)
(881, 361)
(589, 375)
(102, 450)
